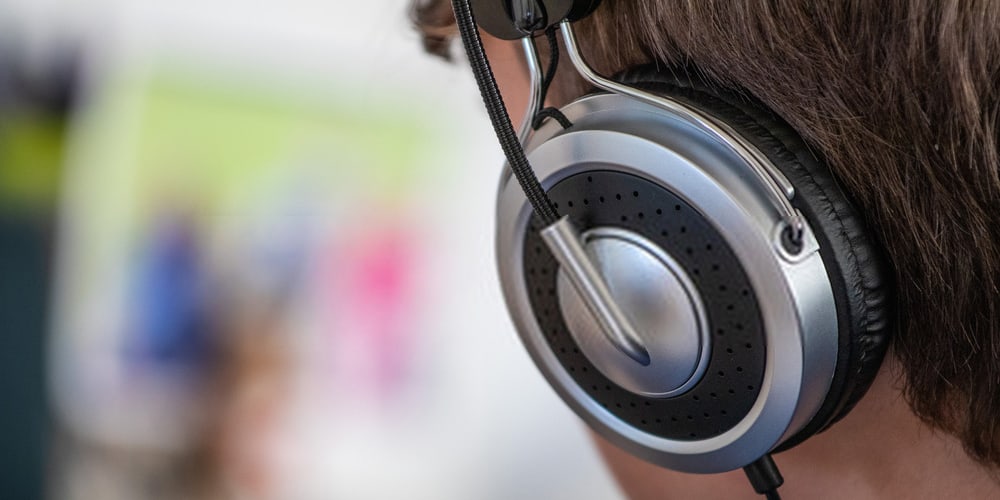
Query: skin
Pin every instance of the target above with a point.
(880, 450)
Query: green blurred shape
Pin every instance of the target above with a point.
(31, 153)
(225, 137)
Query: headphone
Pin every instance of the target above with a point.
(737, 304)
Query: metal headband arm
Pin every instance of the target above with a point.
(778, 188)
(535, 95)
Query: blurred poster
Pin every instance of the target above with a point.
(210, 224)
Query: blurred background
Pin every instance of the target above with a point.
(246, 252)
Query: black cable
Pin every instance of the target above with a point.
(765, 477)
(553, 113)
(550, 74)
(498, 114)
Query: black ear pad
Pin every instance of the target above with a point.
(858, 271)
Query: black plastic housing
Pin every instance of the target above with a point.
(494, 16)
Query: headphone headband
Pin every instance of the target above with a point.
(514, 19)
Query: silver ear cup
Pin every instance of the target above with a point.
(658, 298)
(794, 304)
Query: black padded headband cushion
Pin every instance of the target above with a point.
(858, 271)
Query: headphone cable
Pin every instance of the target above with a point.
(549, 112)
(765, 477)
(511, 146)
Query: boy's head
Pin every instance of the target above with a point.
(902, 100)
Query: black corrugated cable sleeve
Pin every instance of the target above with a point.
(498, 114)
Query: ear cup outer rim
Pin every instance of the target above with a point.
(858, 267)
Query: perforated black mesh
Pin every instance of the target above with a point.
(736, 368)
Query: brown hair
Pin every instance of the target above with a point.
(902, 98)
